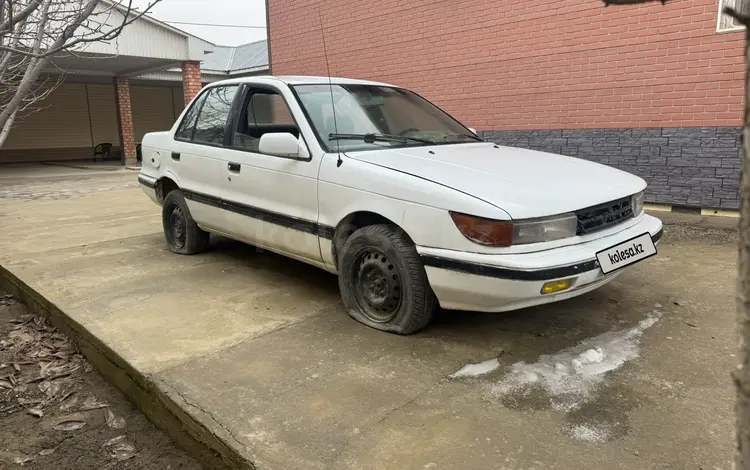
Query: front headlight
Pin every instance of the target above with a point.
(637, 204)
(515, 232)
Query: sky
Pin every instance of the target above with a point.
(217, 12)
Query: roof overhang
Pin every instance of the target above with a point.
(145, 37)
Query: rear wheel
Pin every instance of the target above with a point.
(383, 282)
(180, 230)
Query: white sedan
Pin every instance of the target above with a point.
(408, 206)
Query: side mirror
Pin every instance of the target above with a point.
(283, 144)
(474, 131)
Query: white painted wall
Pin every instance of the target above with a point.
(147, 38)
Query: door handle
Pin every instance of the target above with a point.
(176, 156)
(234, 167)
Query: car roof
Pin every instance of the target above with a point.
(298, 80)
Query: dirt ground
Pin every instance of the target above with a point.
(57, 413)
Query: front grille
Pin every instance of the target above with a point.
(604, 215)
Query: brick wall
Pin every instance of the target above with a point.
(540, 65)
(125, 120)
(191, 80)
(528, 64)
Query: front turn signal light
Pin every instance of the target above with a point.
(484, 231)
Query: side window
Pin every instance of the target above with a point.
(185, 131)
(267, 108)
(264, 111)
(214, 115)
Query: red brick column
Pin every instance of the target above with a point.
(191, 79)
(125, 121)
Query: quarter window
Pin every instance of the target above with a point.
(214, 114)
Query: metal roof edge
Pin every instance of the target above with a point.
(123, 9)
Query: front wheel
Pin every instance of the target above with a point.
(383, 282)
(180, 230)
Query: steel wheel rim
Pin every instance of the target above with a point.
(377, 286)
(176, 227)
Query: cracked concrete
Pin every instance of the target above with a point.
(217, 422)
(256, 350)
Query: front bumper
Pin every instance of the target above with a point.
(496, 283)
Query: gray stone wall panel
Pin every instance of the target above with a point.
(689, 166)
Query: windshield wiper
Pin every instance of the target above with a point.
(372, 138)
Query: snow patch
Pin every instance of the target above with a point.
(474, 370)
(570, 376)
(587, 433)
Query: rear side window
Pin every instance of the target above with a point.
(185, 131)
(214, 115)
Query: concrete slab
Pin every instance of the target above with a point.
(248, 359)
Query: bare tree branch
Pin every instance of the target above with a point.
(33, 32)
(93, 35)
(6, 128)
(738, 16)
(9, 24)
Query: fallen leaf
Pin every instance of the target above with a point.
(44, 368)
(36, 412)
(23, 319)
(23, 459)
(91, 403)
(5, 384)
(46, 451)
(8, 409)
(113, 441)
(17, 367)
(69, 404)
(113, 421)
(52, 390)
(28, 401)
(122, 451)
(69, 425)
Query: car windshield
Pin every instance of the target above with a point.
(371, 117)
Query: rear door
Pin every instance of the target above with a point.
(199, 155)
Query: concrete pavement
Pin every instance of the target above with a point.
(247, 358)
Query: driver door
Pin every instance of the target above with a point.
(272, 201)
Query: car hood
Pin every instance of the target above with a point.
(523, 183)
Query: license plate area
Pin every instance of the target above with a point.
(626, 253)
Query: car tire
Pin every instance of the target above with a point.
(180, 230)
(383, 282)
